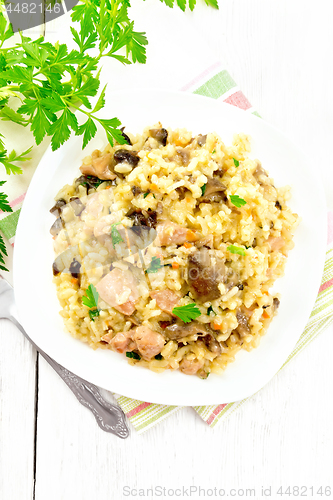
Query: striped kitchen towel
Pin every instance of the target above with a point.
(214, 82)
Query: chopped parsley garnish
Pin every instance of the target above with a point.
(115, 235)
(214, 151)
(203, 189)
(132, 355)
(154, 266)
(236, 162)
(158, 356)
(145, 194)
(93, 313)
(237, 201)
(210, 310)
(187, 313)
(90, 299)
(247, 247)
(238, 250)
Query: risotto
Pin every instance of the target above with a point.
(166, 248)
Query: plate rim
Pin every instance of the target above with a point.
(138, 392)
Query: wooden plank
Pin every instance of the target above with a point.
(17, 414)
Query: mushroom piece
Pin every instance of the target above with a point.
(180, 330)
(56, 209)
(201, 139)
(203, 277)
(212, 344)
(160, 134)
(125, 136)
(124, 155)
(214, 191)
(243, 327)
(56, 227)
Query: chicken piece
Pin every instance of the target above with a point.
(276, 243)
(191, 367)
(107, 337)
(93, 207)
(169, 233)
(149, 343)
(165, 299)
(122, 342)
(118, 288)
(103, 225)
(100, 167)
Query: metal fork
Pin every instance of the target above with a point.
(109, 417)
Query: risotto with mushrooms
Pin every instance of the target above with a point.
(166, 249)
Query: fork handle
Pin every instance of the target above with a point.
(108, 416)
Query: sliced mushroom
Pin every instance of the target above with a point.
(201, 139)
(56, 209)
(124, 155)
(75, 268)
(125, 136)
(180, 330)
(212, 344)
(160, 134)
(243, 327)
(203, 277)
(56, 227)
(77, 206)
(214, 191)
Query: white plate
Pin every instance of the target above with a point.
(36, 295)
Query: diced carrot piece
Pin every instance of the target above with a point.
(265, 315)
(191, 236)
(74, 281)
(154, 187)
(175, 265)
(217, 326)
(187, 245)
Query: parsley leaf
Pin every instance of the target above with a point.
(133, 355)
(237, 201)
(236, 162)
(115, 235)
(3, 252)
(158, 356)
(4, 205)
(187, 313)
(93, 313)
(210, 310)
(203, 189)
(90, 299)
(154, 266)
(145, 194)
(237, 250)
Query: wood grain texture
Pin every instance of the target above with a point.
(17, 414)
(280, 55)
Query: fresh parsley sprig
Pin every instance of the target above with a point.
(115, 235)
(187, 313)
(236, 250)
(90, 299)
(237, 201)
(154, 266)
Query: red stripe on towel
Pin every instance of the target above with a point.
(137, 409)
(238, 99)
(326, 285)
(217, 410)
